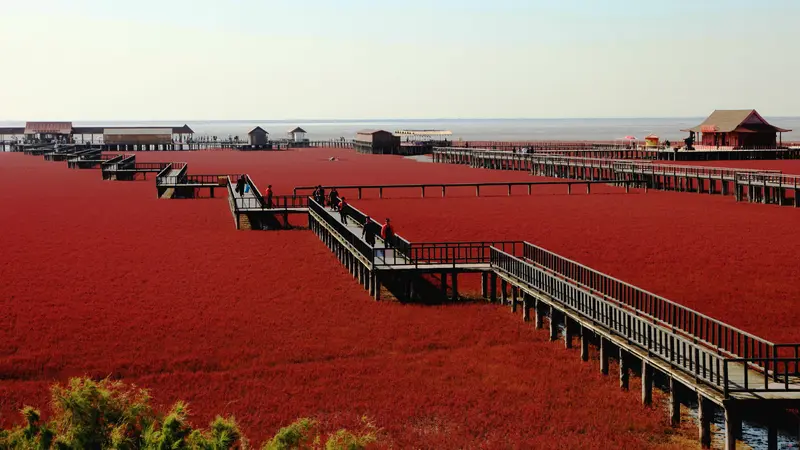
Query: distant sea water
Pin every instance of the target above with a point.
(465, 129)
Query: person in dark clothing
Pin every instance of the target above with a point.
(368, 231)
(318, 195)
(240, 185)
(321, 195)
(343, 211)
(387, 233)
(334, 199)
(268, 196)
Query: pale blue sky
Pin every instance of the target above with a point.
(314, 59)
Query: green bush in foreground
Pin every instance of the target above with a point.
(109, 414)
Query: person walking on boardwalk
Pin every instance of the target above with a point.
(342, 211)
(315, 195)
(387, 233)
(240, 185)
(268, 196)
(368, 231)
(334, 199)
(321, 195)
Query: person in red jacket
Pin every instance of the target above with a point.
(387, 233)
(268, 196)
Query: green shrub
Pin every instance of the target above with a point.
(346, 440)
(300, 435)
(109, 414)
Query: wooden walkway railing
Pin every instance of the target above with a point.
(423, 187)
(719, 336)
(713, 180)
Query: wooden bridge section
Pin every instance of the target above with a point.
(704, 360)
(701, 360)
(755, 185)
(425, 188)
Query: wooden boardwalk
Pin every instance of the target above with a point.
(755, 185)
(705, 361)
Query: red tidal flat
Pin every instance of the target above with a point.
(101, 278)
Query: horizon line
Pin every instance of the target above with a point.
(378, 119)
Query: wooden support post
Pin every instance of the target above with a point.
(503, 292)
(584, 344)
(772, 436)
(485, 285)
(493, 287)
(733, 426)
(624, 373)
(567, 333)
(647, 383)
(477, 191)
(443, 188)
(569, 188)
(513, 299)
(588, 188)
(604, 355)
(674, 403)
(553, 325)
(704, 414)
(423, 191)
(444, 284)
(376, 283)
(529, 189)
(509, 190)
(539, 315)
(454, 283)
(526, 307)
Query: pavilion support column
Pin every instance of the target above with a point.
(444, 284)
(733, 425)
(503, 292)
(485, 285)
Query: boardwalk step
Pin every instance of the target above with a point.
(168, 193)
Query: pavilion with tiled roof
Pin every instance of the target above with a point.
(738, 129)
